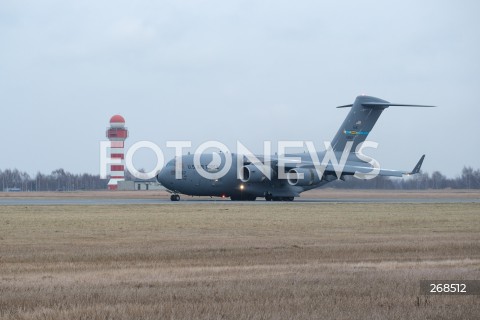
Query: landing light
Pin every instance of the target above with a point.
(242, 187)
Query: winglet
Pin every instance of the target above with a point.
(417, 166)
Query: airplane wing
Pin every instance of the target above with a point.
(350, 168)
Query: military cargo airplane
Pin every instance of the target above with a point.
(284, 177)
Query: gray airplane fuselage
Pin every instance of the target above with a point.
(192, 183)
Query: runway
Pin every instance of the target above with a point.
(162, 198)
(197, 200)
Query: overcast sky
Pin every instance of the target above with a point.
(236, 70)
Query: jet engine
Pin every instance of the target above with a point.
(310, 177)
(250, 173)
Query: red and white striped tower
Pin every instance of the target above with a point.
(117, 133)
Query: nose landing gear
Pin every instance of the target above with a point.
(174, 197)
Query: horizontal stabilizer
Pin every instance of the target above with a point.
(391, 104)
(387, 104)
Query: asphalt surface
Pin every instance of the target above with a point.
(196, 200)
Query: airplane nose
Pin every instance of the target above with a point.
(162, 177)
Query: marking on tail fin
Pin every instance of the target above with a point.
(352, 132)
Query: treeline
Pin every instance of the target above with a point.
(61, 180)
(57, 180)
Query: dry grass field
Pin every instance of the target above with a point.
(237, 261)
(321, 193)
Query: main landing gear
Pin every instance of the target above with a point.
(175, 197)
(270, 197)
(243, 198)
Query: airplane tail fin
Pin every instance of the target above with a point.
(360, 120)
